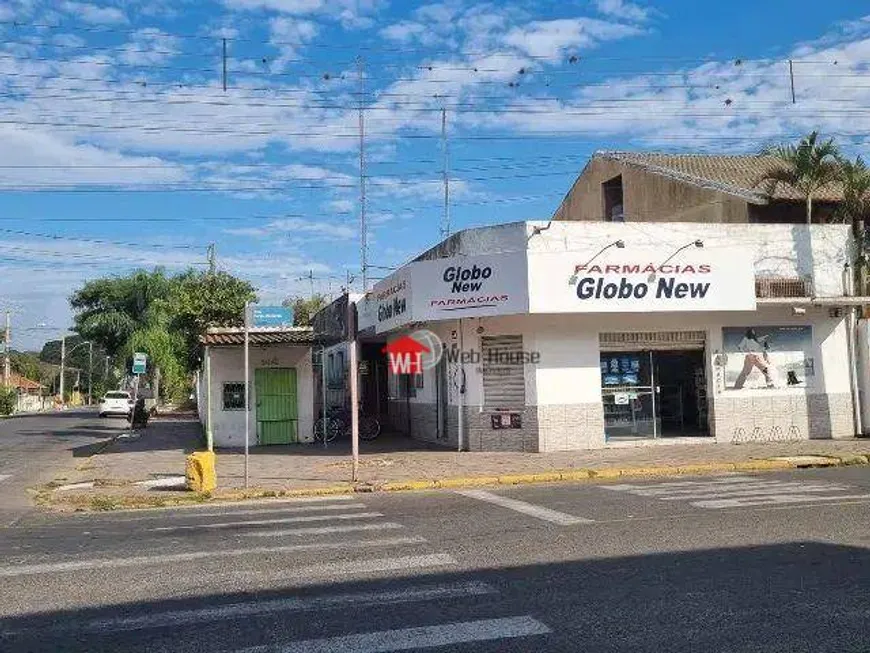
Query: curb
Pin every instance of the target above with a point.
(417, 485)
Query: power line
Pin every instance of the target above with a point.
(97, 241)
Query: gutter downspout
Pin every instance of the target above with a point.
(852, 346)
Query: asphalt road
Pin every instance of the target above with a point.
(771, 562)
(33, 448)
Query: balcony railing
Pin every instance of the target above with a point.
(770, 287)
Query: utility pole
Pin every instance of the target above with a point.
(62, 357)
(445, 222)
(90, 372)
(363, 236)
(106, 371)
(7, 366)
(225, 64)
(211, 255)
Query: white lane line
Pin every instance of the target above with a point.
(406, 639)
(137, 561)
(266, 522)
(3, 477)
(561, 518)
(680, 485)
(775, 500)
(325, 530)
(360, 600)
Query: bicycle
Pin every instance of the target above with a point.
(338, 422)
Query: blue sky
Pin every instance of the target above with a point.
(122, 149)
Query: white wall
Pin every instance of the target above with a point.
(783, 250)
(569, 373)
(227, 366)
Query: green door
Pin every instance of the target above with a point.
(276, 405)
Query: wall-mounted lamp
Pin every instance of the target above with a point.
(618, 244)
(695, 243)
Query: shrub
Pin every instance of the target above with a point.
(7, 400)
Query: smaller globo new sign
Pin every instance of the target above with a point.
(642, 280)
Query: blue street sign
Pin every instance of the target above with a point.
(272, 316)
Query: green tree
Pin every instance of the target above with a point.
(26, 364)
(805, 167)
(305, 308)
(161, 316)
(206, 299)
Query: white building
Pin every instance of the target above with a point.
(631, 332)
(282, 388)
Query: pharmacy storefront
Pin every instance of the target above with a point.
(612, 342)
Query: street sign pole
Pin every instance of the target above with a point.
(247, 391)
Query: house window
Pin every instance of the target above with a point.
(611, 195)
(234, 396)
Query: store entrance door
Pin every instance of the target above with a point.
(654, 394)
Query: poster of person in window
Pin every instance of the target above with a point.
(767, 357)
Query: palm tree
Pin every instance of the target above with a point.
(806, 167)
(855, 209)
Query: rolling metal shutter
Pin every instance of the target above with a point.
(654, 340)
(504, 379)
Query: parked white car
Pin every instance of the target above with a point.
(117, 402)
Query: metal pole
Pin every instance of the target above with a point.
(460, 418)
(445, 226)
(363, 236)
(90, 372)
(106, 371)
(791, 77)
(323, 390)
(225, 64)
(652, 378)
(62, 356)
(209, 436)
(7, 366)
(247, 395)
(354, 391)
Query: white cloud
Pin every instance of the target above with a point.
(149, 46)
(289, 35)
(94, 14)
(352, 14)
(623, 10)
(340, 206)
(550, 39)
(298, 228)
(75, 163)
(403, 32)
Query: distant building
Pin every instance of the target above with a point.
(656, 187)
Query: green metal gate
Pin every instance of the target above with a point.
(277, 413)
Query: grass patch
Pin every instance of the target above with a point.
(105, 503)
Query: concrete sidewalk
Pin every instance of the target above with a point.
(148, 469)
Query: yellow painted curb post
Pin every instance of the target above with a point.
(200, 472)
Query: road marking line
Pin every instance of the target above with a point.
(137, 561)
(325, 530)
(237, 610)
(554, 516)
(656, 491)
(759, 492)
(776, 499)
(363, 566)
(405, 639)
(266, 522)
(731, 480)
(3, 477)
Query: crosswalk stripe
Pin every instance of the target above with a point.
(405, 639)
(361, 600)
(776, 499)
(136, 561)
(795, 488)
(324, 530)
(655, 490)
(349, 567)
(3, 477)
(266, 522)
(546, 514)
